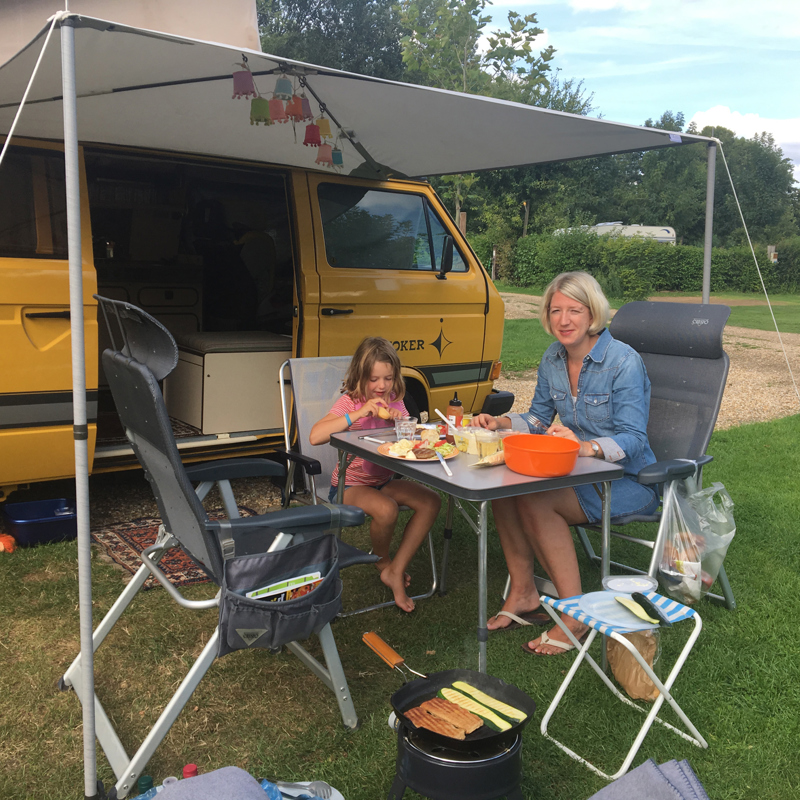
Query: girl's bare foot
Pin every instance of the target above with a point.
(385, 563)
(397, 584)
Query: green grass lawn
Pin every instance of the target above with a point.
(267, 714)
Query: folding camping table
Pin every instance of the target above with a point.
(479, 486)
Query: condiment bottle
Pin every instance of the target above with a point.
(454, 413)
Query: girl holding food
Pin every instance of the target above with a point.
(372, 391)
(599, 388)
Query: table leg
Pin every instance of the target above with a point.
(483, 633)
(605, 529)
(605, 552)
(448, 535)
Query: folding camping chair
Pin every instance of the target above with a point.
(309, 388)
(230, 551)
(681, 346)
(675, 612)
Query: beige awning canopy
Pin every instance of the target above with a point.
(145, 89)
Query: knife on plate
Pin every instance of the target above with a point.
(441, 459)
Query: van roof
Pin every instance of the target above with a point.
(161, 91)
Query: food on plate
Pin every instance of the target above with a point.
(401, 448)
(383, 413)
(494, 721)
(453, 714)
(422, 719)
(423, 453)
(498, 705)
(429, 436)
(445, 448)
(635, 608)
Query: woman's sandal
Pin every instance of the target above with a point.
(565, 647)
(523, 619)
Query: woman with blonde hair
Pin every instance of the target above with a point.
(600, 390)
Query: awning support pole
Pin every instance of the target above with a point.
(710, 175)
(80, 427)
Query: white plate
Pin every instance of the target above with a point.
(627, 584)
(604, 608)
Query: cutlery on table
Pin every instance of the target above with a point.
(441, 459)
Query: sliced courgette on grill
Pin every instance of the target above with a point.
(494, 721)
(497, 705)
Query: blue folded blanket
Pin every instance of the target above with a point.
(673, 780)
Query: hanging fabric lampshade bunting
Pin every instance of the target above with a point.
(307, 115)
(324, 126)
(259, 111)
(325, 155)
(277, 110)
(312, 138)
(243, 85)
(294, 109)
(337, 157)
(283, 88)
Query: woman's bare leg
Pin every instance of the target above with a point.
(546, 519)
(518, 550)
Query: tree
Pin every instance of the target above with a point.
(360, 36)
(441, 48)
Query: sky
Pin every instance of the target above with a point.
(729, 63)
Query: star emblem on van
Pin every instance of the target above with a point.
(441, 342)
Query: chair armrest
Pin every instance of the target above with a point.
(674, 469)
(297, 519)
(230, 468)
(349, 556)
(310, 465)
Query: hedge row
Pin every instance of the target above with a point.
(634, 268)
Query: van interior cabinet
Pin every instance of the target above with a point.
(227, 381)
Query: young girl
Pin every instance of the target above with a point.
(373, 383)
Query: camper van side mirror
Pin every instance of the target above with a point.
(447, 258)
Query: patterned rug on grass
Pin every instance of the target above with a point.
(122, 544)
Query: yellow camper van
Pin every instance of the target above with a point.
(246, 265)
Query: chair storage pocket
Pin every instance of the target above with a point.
(246, 622)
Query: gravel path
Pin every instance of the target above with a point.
(759, 386)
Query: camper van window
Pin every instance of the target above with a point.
(33, 218)
(221, 235)
(377, 229)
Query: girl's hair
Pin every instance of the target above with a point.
(582, 288)
(372, 350)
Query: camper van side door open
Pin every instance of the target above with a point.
(378, 256)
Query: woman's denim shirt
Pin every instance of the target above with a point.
(613, 402)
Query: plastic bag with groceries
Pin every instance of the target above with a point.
(700, 527)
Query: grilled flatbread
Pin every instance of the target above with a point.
(452, 713)
(422, 719)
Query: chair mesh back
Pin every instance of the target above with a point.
(316, 386)
(142, 412)
(681, 346)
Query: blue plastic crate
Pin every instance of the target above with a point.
(41, 521)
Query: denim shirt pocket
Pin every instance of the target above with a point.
(560, 399)
(598, 407)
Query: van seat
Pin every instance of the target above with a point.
(205, 342)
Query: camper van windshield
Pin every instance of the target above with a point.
(377, 229)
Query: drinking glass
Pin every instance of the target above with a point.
(405, 427)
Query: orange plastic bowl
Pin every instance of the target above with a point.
(540, 456)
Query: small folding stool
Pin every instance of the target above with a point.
(675, 612)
